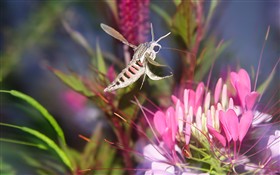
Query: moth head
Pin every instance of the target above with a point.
(153, 46)
(156, 47)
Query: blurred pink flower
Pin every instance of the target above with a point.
(111, 73)
(74, 100)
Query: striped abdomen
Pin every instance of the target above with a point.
(129, 75)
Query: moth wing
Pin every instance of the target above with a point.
(109, 30)
(156, 71)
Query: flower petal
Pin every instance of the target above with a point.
(251, 99)
(217, 135)
(218, 89)
(160, 122)
(274, 144)
(167, 139)
(242, 91)
(260, 117)
(174, 99)
(171, 122)
(180, 116)
(244, 78)
(152, 153)
(222, 118)
(192, 100)
(160, 168)
(233, 78)
(232, 124)
(245, 123)
(186, 100)
(199, 95)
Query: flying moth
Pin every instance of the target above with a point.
(142, 62)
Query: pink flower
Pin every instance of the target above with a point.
(219, 121)
(234, 128)
(159, 163)
(242, 84)
(75, 100)
(166, 125)
(274, 144)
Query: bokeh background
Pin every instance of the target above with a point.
(34, 38)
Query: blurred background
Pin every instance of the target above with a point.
(33, 38)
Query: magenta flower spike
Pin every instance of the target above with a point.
(134, 20)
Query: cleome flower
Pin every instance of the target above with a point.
(209, 129)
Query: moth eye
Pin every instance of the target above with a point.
(156, 48)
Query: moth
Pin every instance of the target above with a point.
(141, 63)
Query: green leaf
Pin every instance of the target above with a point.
(41, 109)
(100, 60)
(74, 82)
(74, 156)
(213, 6)
(265, 84)
(98, 152)
(91, 149)
(45, 139)
(44, 166)
(183, 22)
(40, 146)
(6, 169)
(162, 13)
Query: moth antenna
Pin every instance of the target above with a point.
(152, 32)
(163, 37)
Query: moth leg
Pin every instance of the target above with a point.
(143, 81)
